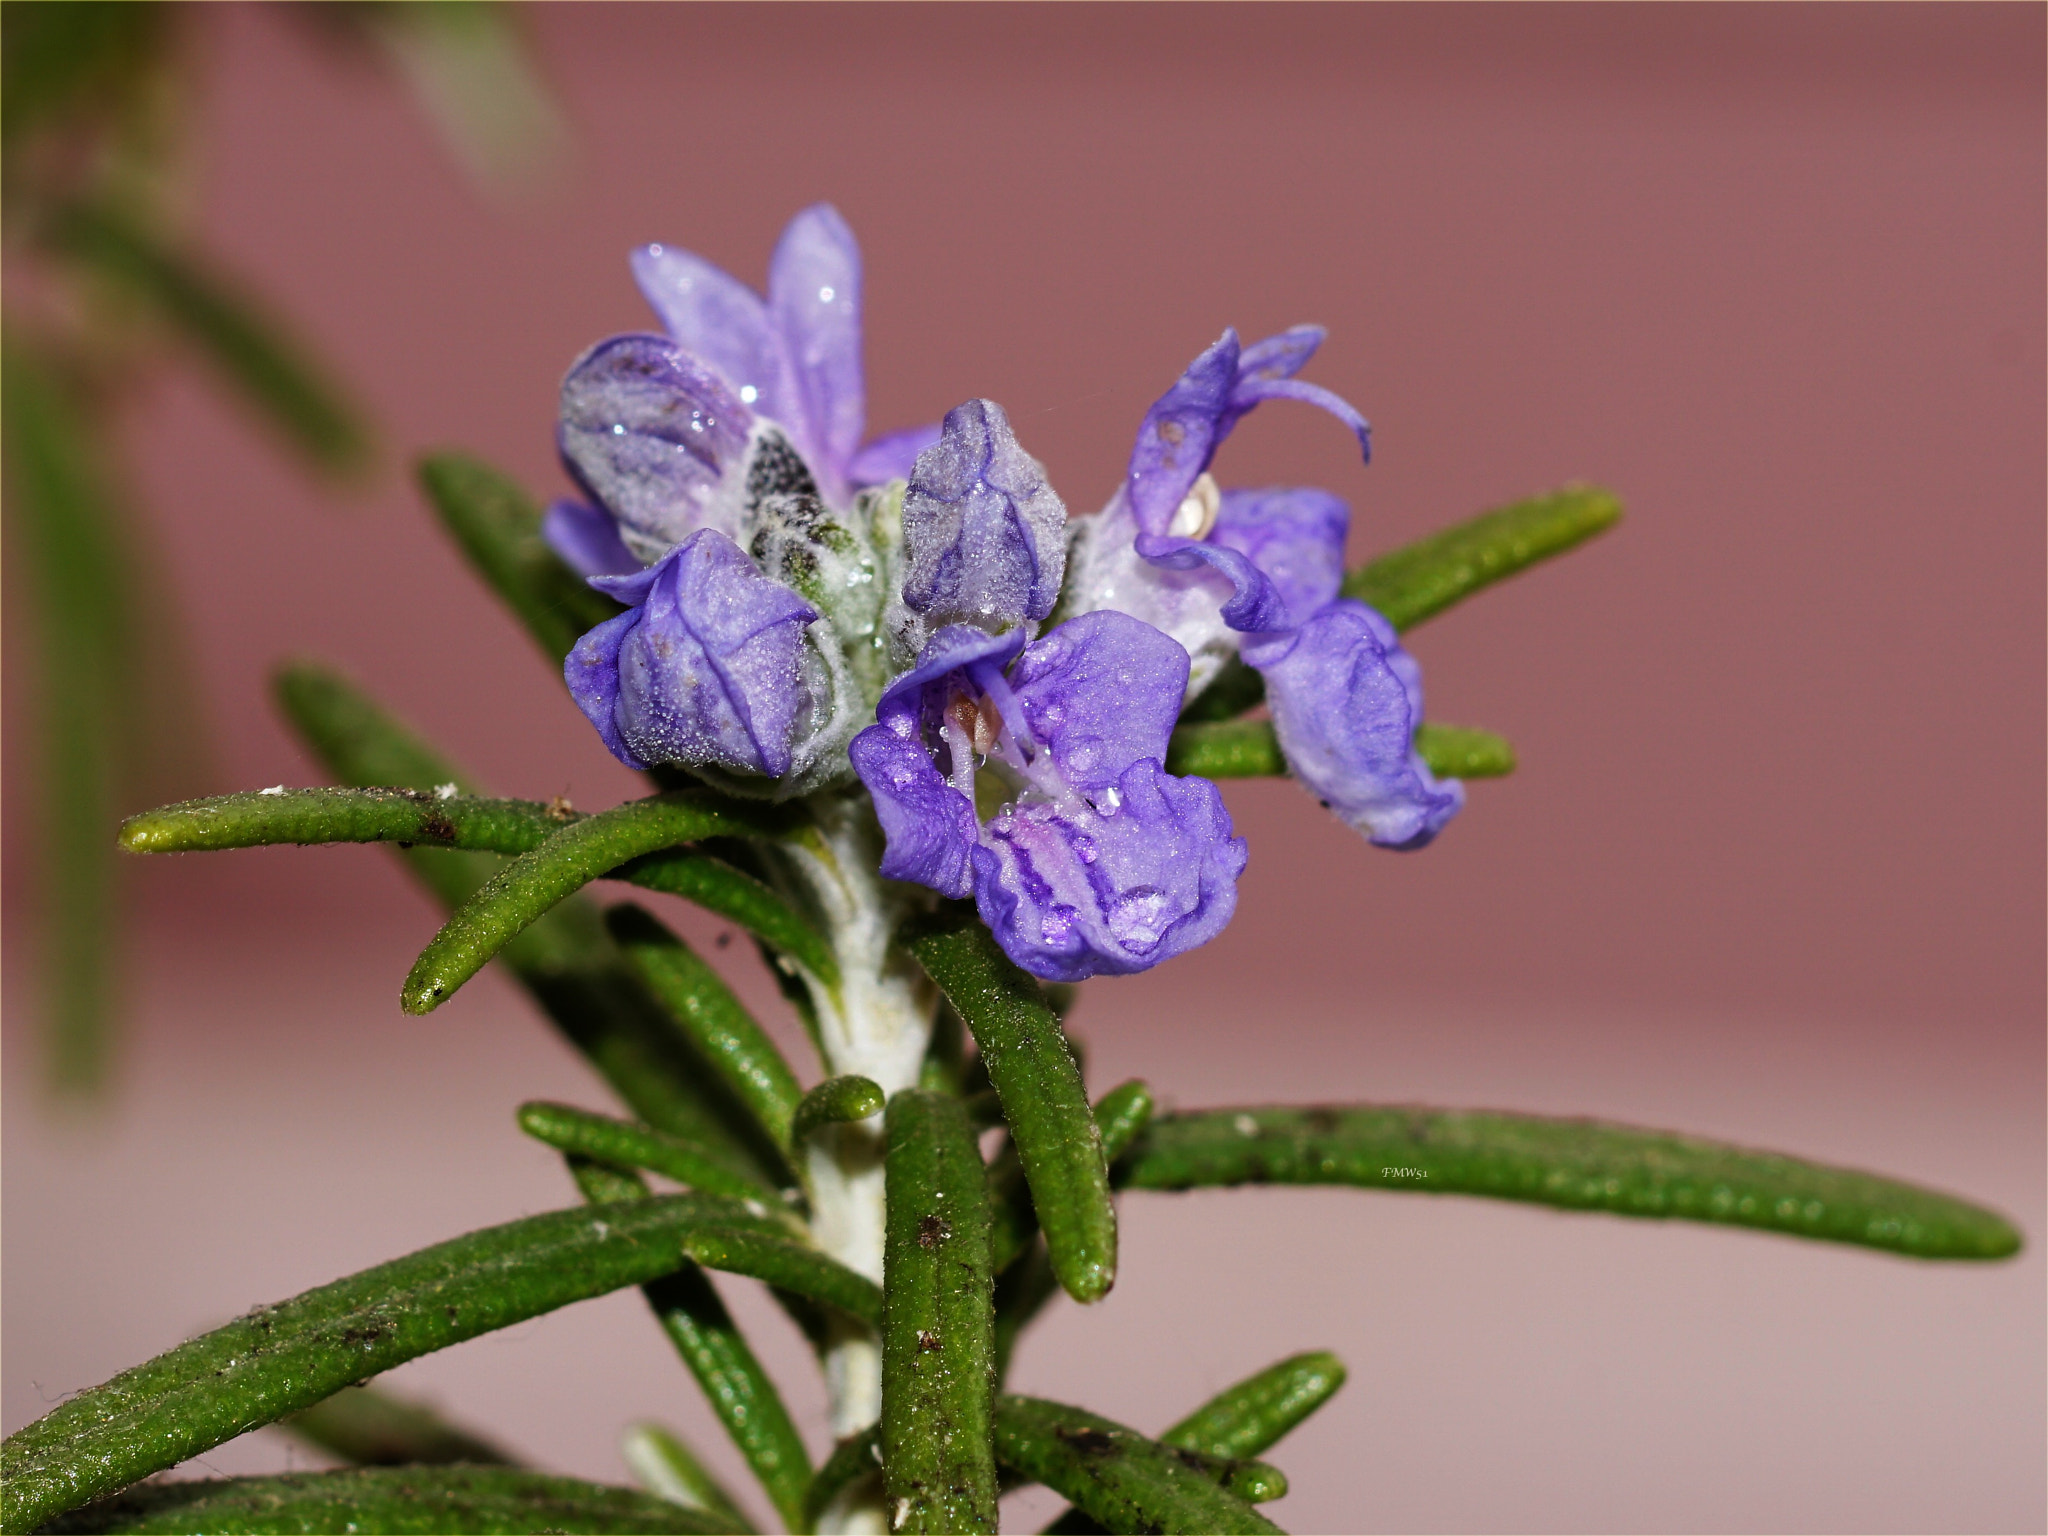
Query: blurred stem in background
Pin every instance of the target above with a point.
(104, 288)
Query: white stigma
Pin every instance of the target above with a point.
(1195, 516)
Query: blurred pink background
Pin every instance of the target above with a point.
(1772, 868)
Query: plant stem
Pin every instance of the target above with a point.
(876, 1022)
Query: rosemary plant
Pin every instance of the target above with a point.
(944, 752)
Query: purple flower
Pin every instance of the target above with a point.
(1259, 572)
(1099, 862)
(708, 668)
(983, 534)
(794, 357)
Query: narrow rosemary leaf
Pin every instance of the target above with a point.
(670, 1470)
(1577, 1164)
(1252, 1415)
(853, 1459)
(526, 888)
(429, 1500)
(938, 1368)
(448, 818)
(716, 886)
(251, 350)
(705, 1009)
(1115, 1475)
(1239, 1422)
(836, 1101)
(1243, 749)
(717, 1354)
(566, 960)
(277, 1360)
(371, 1428)
(498, 527)
(1463, 751)
(1228, 749)
(1025, 1054)
(1421, 580)
(1120, 1115)
(623, 1144)
(67, 521)
(768, 1256)
(1255, 1482)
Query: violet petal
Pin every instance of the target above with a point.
(1346, 699)
(929, 825)
(586, 539)
(1294, 535)
(656, 438)
(1179, 435)
(983, 533)
(714, 315)
(814, 299)
(707, 671)
(1070, 891)
(891, 457)
(1100, 693)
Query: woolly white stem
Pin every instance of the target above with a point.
(878, 1023)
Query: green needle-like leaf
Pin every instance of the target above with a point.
(1028, 1063)
(788, 1266)
(525, 889)
(705, 1009)
(251, 350)
(1239, 1422)
(448, 818)
(1421, 580)
(717, 1354)
(1253, 1415)
(1227, 749)
(374, 1429)
(277, 1360)
(1577, 1164)
(1120, 1115)
(624, 1144)
(836, 1101)
(1244, 749)
(498, 528)
(1115, 1475)
(938, 1366)
(669, 1469)
(433, 1501)
(854, 1458)
(565, 960)
(1463, 752)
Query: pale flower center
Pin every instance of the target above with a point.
(1196, 515)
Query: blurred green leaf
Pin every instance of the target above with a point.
(250, 349)
(1576, 1164)
(433, 1501)
(1242, 749)
(669, 1469)
(62, 57)
(277, 1360)
(371, 1428)
(497, 526)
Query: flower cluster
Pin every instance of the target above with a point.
(919, 614)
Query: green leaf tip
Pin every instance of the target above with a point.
(626, 1145)
(1035, 1075)
(1575, 1164)
(1252, 1415)
(836, 1101)
(1421, 580)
